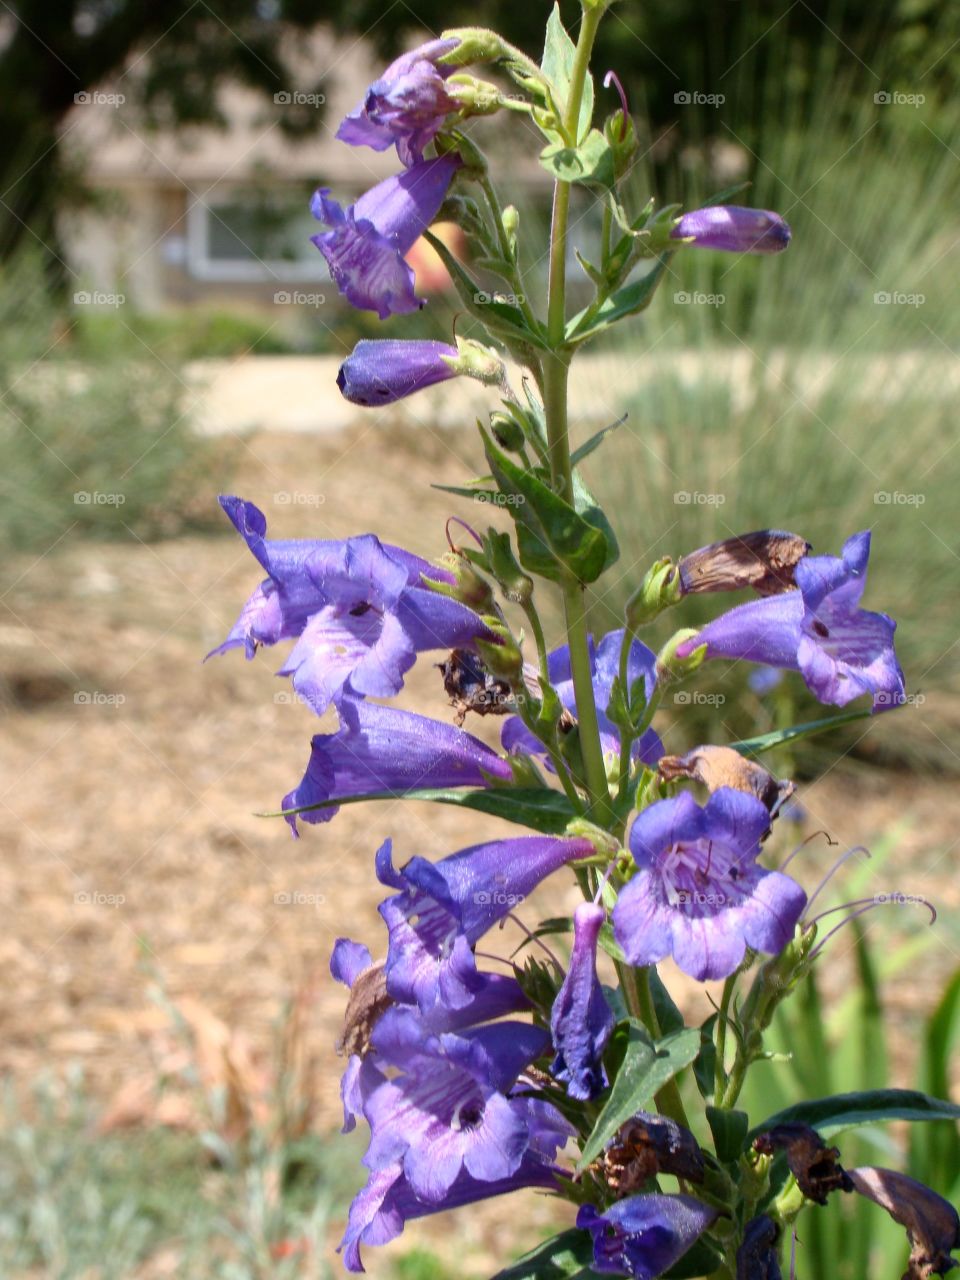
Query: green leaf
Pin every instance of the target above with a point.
(586, 505)
(729, 1129)
(595, 441)
(646, 1068)
(568, 1254)
(501, 318)
(539, 808)
(767, 741)
(591, 163)
(869, 1106)
(705, 1067)
(701, 1259)
(559, 52)
(627, 301)
(466, 491)
(551, 536)
(668, 1015)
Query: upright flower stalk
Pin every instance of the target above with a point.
(484, 1056)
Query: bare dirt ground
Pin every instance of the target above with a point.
(129, 846)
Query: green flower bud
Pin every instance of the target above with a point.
(476, 44)
(507, 432)
(659, 590)
(672, 667)
(475, 97)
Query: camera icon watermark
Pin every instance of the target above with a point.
(894, 498)
(483, 299)
(500, 499)
(297, 98)
(694, 98)
(95, 498)
(97, 298)
(94, 98)
(297, 298)
(686, 498)
(893, 98)
(299, 898)
(94, 898)
(287, 498)
(695, 698)
(696, 299)
(97, 698)
(896, 298)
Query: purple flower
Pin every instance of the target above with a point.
(380, 1210)
(379, 749)
(378, 1031)
(581, 1021)
(698, 894)
(734, 229)
(406, 106)
(604, 660)
(643, 1236)
(383, 370)
(356, 606)
(447, 1109)
(841, 650)
(443, 908)
(365, 245)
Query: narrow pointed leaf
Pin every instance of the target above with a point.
(869, 1106)
(629, 300)
(646, 1068)
(767, 741)
(566, 1255)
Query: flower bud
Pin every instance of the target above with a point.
(765, 560)
(659, 590)
(670, 666)
(733, 229)
(502, 658)
(477, 361)
(474, 97)
(507, 432)
(474, 44)
(381, 371)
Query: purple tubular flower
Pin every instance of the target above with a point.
(448, 1111)
(443, 908)
(841, 650)
(364, 246)
(604, 660)
(406, 106)
(698, 894)
(380, 749)
(378, 1212)
(733, 229)
(381, 371)
(356, 606)
(643, 1236)
(581, 1021)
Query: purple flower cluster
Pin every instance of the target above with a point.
(453, 1118)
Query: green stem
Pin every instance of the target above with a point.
(556, 366)
(720, 1077)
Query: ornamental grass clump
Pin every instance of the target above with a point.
(475, 1081)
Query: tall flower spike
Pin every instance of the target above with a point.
(841, 650)
(643, 1236)
(699, 894)
(581, 1020)
(379, 749)
(406, 106)
(733, 229)
(364, 246)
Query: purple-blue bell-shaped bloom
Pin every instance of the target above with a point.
(406, 106)
(442, 909)
(841, 650)
(604, 662)
(379, 749)
(355, 606)
(382, 370)
(380, 1210)
(448, 1110)
(364, 246)
(378, 1031)
(698, 894)
(644, 1236)
(581, 1020)
(733, 229)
